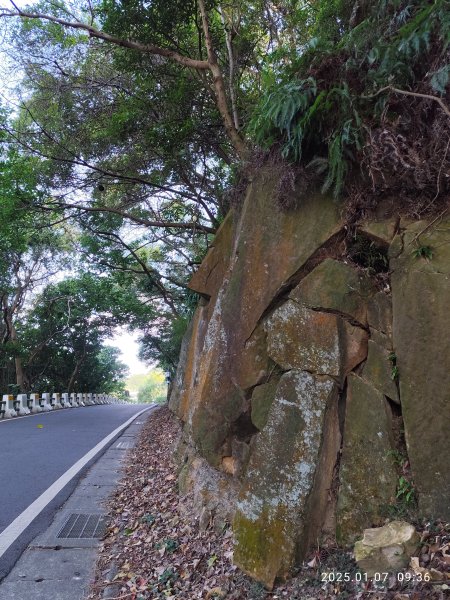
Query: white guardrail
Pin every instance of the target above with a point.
(26, 404)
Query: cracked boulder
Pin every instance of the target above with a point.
(266, 257)
(315, 341)
(378, 371)
(421, 337)
(336, 286)
(281, 504)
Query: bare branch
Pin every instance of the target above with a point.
(102, 35)
(407, 93)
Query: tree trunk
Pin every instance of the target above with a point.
(21, 378)
(76, 370)
(219, 88)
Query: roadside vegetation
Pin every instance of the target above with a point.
(150, 387)
(125, 128)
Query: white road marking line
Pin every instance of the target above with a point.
(20, 523)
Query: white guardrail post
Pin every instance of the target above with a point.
(25, 404)
(34, 403)
(22, 405)
(8, 406)
(56, 401)
(46, 403)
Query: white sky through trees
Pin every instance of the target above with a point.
(123, 340)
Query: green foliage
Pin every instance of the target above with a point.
(153, 388)
(168, 576)
(148, 519)
(406, 499)
(405, 491)
(321, 106)
(169, 544)
(423, 252)
(440, 78)
(211, 560)
(63, 334)
(394, 368)
(367, 254)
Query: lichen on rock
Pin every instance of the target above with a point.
(271, 511)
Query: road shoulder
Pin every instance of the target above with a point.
(59, 563)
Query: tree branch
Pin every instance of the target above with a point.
(102, 35)
(407, 93)
(219, 88)
(199, 65)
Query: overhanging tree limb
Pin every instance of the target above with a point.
(219, 88)
(185, 61)
(211, 64)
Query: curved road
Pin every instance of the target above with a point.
(36, 450)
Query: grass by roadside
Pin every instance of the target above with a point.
(154, 549)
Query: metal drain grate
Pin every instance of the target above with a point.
(79, 526)
(123, 445)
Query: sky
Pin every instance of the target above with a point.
(127, 344)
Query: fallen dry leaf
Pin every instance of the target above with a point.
(156, 551)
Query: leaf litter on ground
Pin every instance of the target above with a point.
(155, 550)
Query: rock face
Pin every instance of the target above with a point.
(367, 473)
(387, 549)
(280, 476)
(297, 372)
(336, 286)
(421, 330)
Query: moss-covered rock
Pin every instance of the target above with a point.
(262, 398)
(272, 515)
(178, 391)
(304, 339)
(315, 341)
(368, 477)
(352, 346)
(379, 313)
(336, 286)
(251, 365)
(380, 231)
(378, 371)
(208, 278)
(270, 246)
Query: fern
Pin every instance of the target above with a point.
(440, 78)
(278, 111)
(323, 119)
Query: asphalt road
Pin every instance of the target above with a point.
(36, 450)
